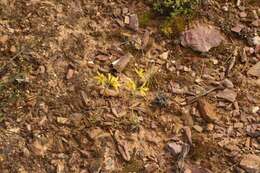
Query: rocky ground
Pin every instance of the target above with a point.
(93, 86)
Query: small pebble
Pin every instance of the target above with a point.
(255, 109)
(198, 128)
(127, 20)
(251, 50)
(238, 28)
(210, 127)
(225, 8)
(214, 61)
(256, 23)
(227, 83)
(256, 40)
(238, 125)
(242, 14)
(13, 49)
(69, 74)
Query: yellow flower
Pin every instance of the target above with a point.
(131, 85)
(143, 89)
(101, 79)
(113, 81)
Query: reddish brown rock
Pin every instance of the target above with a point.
(207, 111)
(202, 38)
(120, 64)
(238, 28)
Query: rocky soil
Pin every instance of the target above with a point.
(91, 86)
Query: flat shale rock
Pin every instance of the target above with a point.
(227, 94)
(201, 38)
(121, 63)
(238, 28)
(133, 22)
(251, 163)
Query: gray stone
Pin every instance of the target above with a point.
(174, 148)
(202, 38)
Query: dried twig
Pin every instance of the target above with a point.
(3, 68)
(203, 94)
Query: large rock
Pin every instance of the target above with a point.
(201, 38)
(251, 163)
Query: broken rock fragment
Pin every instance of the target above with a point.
(227, 94)
(120, 64)
(198, 128)
(62, 120)
(174, 148)
(250, 163)
(202, 38)
(207, 111)
(133, 22)
(238, 28)
(70, 73)
(227, 83)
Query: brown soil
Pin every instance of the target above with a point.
(54, 117)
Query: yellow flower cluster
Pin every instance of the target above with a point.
(113, 82)
(110, 80)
